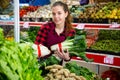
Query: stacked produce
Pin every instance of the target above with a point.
(33, 13)
(57, 72)
(98, 13)
(24, 10)
(108, 40)
(110, 10)
(39, 11)
(77, 10)
(17, 61)
(70, 71)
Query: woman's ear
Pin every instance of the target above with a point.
(66, 14)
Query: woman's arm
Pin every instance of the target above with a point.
(42, 34)
(39, 46)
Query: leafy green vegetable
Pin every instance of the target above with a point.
(32, 32)
(1, 37)
(17, 61)
(108, 40)
(29, 35)
(79, 70)
(47, 62)
(76, 45)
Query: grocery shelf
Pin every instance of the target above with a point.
(96, 26)
(78, 25)
(6, 22)
(102, 59)
(32, 23)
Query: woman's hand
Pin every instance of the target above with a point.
(63, 54)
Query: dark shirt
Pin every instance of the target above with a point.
(47, 35)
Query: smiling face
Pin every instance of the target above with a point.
(59, 15)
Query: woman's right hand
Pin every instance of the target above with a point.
(62, 54)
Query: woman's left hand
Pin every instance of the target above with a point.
(63, 54)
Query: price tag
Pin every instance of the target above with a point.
(26, 25)
(4, 17)
(109, 59)
(80, 26)
(114, 25)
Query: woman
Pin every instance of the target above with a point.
(58, 30)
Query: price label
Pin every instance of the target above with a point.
(4, 17)
(80, 26)
(26, 25)
(109, 59)
(114, 25)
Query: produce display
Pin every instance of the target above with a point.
(98, 13)
(17, 61)
(81, 71)
(24, 10)
(57, 72)
(70, 71)
(105, 12)
(8, 32)
(35, 13)
(6, 10)
(47, 62)
(28, 35)
(108, 40)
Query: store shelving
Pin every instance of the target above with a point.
(96, 26)
(101, 59)
(78, 25)
(2, 22)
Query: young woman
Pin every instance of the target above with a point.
(58, 30)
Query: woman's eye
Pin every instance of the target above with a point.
(59, 13)
(53, 13)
